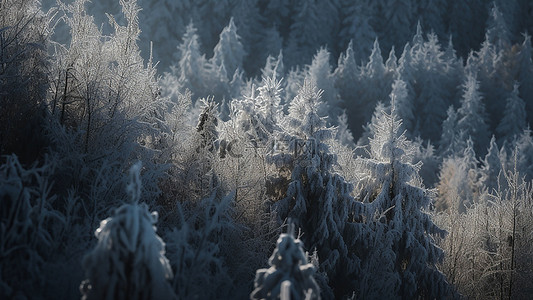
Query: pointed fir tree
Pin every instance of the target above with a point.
(490, 172)
(472, 116)
(403, 104)
(355, 27)
(318, 199)
(451, 138)
(395, 195)
(524, 75)
(514, 117)
(434, 93)
(396, 22)
(344, 134)
(319, 74)
(189, 73)
(346, 76)
(497, 29)
(196, 246)
(290, 275)
(274, 67)
(524, 153)
(229, 53)
(129, 260)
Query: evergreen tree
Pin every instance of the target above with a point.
(290, 276)
(394, 193)
(524, 153)
(434, 93)
(320, 75)
(129, 260)
(318, 199)
(356, 27)
(450, 140)
(250, 22)
(229, 52)
(490, 172)
(472, 117)
(344, 134)
(398, 17)
(525, 75)
(514, 117)
(346, 76)
(197, 246)
(274, 67)
(403, 104)
(190, 70)
(497, 30)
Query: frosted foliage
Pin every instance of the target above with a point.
(450, 141)
(385, 145)
(30, 227)
(190, 70)
(317, 199)
(274, 67)
(129, 260)
(402, 103)
(269, 100)
(393, 189)
(319, 74)
(514, 119)
(492, 167)
(524, 153)
(229, 52)
(472, 116)
(289, 269)
(497, 29)
(525, 75)
(356, 26)
(304, 119)
(344, 134)
(375, 67)
(195, 247)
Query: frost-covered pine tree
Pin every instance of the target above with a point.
(497, 32)
(356, 27)
(205, 140)
(403, 104)
(514, 118)
(290, 275)
(229, 53)
(450, 140)
(319, 74)
(197, 247)
(471, 121)
(434, 90)
(274, 67)
(344, 134)
(490, 172)
(375, 83)
(129, 260)
(346, 76)
(318, 199)
(190, 69)
(396, 22)
(524, 75)
(396, 198)
(314, 25)
(524, 153)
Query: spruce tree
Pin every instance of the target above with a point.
(395, 195)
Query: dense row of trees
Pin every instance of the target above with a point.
(400, 177)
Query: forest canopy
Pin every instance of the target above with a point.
(253, 149)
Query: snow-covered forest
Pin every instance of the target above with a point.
(256, 149)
